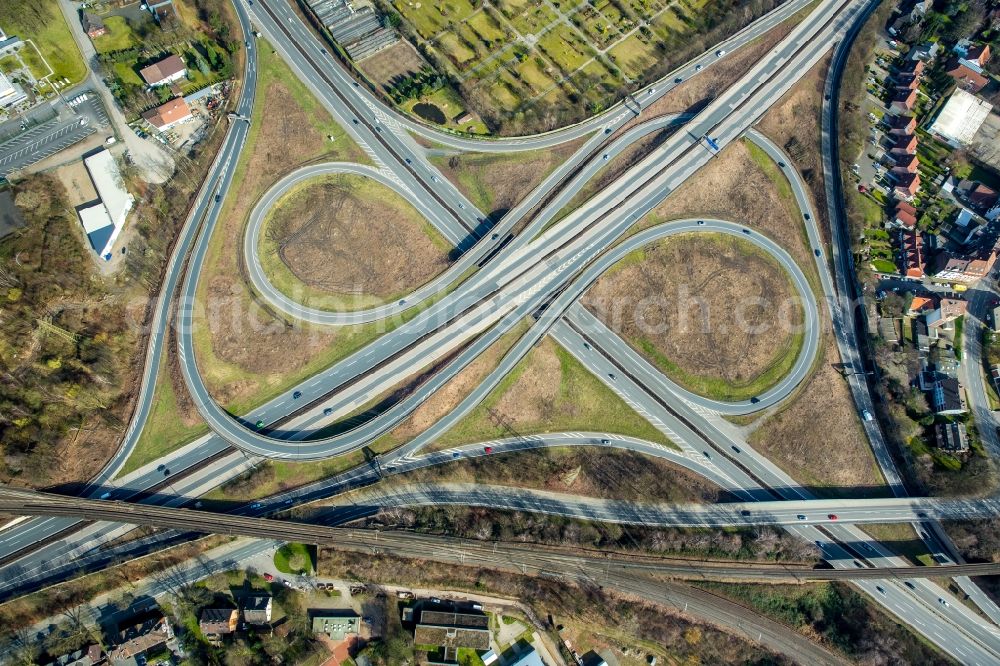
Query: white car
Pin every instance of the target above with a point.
(868, 415)
(720, 53)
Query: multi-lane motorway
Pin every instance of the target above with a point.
(496, 283)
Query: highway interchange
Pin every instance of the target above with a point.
(543, 265)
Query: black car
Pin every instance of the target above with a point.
(218, 198)
(817, 252)
(807, 216)
(678, 80)
(781, 164)
(297, 395)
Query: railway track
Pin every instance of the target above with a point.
(535, 559)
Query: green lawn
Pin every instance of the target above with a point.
(295, 558)
(9, 63)
(583, 403)
(565, 49)
(127, 74)
(44, 23)
(884, 266)
(164, 431)
(119, 36)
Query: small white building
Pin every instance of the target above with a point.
(960, 118)
(101, 232)
(11, 94)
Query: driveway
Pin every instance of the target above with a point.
(150, 158)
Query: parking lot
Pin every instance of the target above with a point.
(81, 115)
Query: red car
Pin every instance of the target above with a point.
(488, 449)
(832, 516)
(268, 577)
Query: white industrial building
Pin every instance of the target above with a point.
(10, 93)
(960, 118)
(101, 233)
(104, 221)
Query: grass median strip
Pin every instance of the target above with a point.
(549, 391)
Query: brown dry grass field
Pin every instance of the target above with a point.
(734, 187)
(793, 124)
(592, 472)
(348, 236)
(713, 305)
(818, 438)
(399, 60)
(497, 182)
(244, 351)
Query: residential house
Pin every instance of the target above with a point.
(905, 143)
(907, 184)
(897, 27)
(903, 100)
(946, 397)
(92, 655)
(995, 319)
(920, 304)
(901, 125)
(905, 161)
(144, 633)
(978, 196)
(532, 658)
(993, 214)
(964, 228)
(912, 66)
(257, 609)
(906, 215)
(94, 26)
(906, 81)
(911, 253)
(922, 335)
(920, 9)
(924, 52)
(168, 114)
(977, 53)
(947, 311)
(967, 74)
(336, 624)
(966, 269)
(218, 622)
(951, 437)
(453, 630)
(164, 71)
